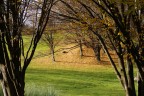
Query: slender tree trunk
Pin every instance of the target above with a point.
(81, 49)
(124, 77)
(53, 55)
(52, 51)
(3, 86)
(3, 89)
(97, 52)
(5, 93)
(140, 87)
(131, 84)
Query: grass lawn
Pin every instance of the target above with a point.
(72, 80)
(65, 80)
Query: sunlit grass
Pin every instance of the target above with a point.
(58, 79)
(75, 80)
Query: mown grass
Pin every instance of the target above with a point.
(45, 78)
(75, 81)
(71, 81)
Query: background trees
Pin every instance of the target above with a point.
(75, 12)
(114, 23)
(14, 14)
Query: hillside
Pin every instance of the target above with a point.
(72, 56)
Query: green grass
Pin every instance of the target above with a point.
(33, 89)
(73, 82)
(1, 94)
(54, 81)
(42, 48)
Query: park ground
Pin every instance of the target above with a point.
(71, 75)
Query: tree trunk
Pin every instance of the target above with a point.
(81, 49)
(53, 53)
(140, 87)
(12, 86)
(53, 56)
(131, 85)
(3, 86)
(97, 52)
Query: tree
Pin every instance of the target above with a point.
(127, 17)
(49, 39)
(119, 20)
(14, 14)
(75, 35)
(75, 12)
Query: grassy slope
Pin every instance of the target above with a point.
(74, 79)
(69, 78)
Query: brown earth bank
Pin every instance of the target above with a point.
(71, 55)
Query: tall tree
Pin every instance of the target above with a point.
(13, 15)
(127, 17)
(120, 21)
(52, 33)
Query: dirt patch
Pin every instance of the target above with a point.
(73, 57)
